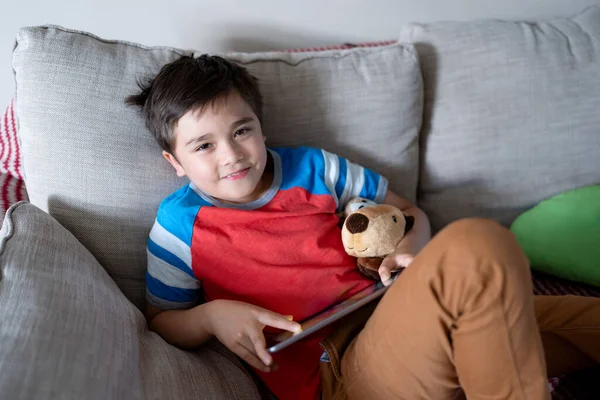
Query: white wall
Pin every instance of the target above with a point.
(213, 25)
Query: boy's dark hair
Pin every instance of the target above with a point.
(190, 83)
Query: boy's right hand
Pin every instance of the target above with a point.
(239, 326)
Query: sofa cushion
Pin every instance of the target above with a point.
(91, 163)
(511, 113)
(68, 332)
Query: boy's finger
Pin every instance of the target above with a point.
(278, 321)
(258, 341)
(384, 273)
(249, 357)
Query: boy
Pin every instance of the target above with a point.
(253, 243)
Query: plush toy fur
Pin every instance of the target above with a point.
(372, 231)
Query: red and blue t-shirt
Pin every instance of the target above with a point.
(282, 252)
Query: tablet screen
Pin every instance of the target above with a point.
(331, 314)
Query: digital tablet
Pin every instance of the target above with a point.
(331, 314)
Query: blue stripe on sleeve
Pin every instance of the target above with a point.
(369, 189)
(303, 167)
(169, 293)
(177, 213)
(169, 257)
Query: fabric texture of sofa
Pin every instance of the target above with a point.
(482, 118)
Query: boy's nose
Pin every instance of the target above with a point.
(231, 154)
(357, 223)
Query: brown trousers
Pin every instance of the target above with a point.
(460, 321)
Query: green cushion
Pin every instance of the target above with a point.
(561, 235)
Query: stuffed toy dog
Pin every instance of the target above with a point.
(372, 231)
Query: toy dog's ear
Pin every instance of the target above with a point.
(356, 203)
(410, 221)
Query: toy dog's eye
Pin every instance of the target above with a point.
(363, 201)
(361, 207)
(394, 219)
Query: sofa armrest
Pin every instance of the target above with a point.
(68, 332)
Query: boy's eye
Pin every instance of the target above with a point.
(204, 146)
(241, 131)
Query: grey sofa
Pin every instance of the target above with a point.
(481, 118)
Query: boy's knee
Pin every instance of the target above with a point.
(471, 223)
(483, 239)
(469, 229)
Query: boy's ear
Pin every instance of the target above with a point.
(173, 161)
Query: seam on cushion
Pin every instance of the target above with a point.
(8, 227)
(335, 54)
(406, 47)
(98, 38)
(577, 25)
(566, 37)
(578, 14)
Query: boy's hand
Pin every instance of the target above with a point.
(392, 263)
(239, 326)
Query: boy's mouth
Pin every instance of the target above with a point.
(237, 174)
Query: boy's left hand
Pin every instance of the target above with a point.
(392, 263)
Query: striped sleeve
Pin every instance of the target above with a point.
(346, 180)
(170, 280)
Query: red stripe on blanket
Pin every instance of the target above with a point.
(20, 194)
(10, 152)
(4, 197)
(5, 138)
(17, 158)
(8, 143)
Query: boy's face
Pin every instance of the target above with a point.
(222, 150)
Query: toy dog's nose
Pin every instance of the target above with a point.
(357, 223)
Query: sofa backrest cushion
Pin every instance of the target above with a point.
(511, 113)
